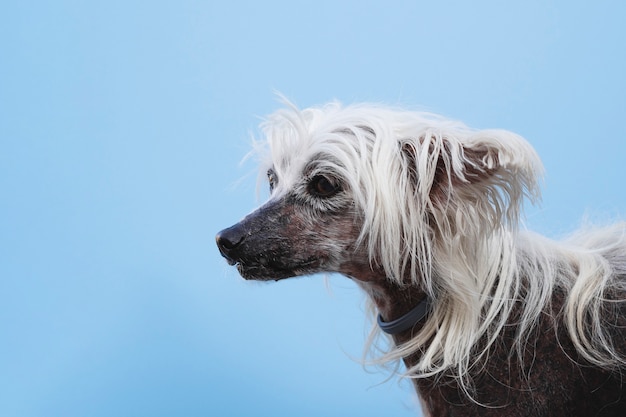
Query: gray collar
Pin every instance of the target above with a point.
(406, 321)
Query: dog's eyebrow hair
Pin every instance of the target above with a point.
(320, 159)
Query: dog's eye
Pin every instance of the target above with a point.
(321, 186)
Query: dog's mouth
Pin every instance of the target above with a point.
(262, 270)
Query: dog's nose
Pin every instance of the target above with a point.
(228, 240)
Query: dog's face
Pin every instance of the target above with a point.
(371, 192)
(308, 225)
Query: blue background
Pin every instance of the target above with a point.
(122, 124)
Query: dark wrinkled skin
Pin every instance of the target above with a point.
(281, 240)
(286, 238)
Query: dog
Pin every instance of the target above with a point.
(423, 214)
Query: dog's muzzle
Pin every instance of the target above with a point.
(259, 245)
(267, 244)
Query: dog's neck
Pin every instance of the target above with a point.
(395, 303)
(407, 321)
(392, 300)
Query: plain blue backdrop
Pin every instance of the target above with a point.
(122, 124)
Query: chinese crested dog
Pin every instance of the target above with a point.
(422, 212)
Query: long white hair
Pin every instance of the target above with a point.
(440, 206)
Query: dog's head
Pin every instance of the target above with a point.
(365, 188)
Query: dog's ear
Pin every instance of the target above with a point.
(490, 170)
